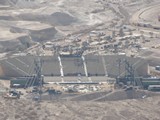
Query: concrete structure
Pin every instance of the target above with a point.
(69, 66)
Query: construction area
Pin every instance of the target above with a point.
(79, 60)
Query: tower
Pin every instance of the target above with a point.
(38, 71)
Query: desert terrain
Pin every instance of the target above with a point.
(144, 109)
(26, 23)
(118, 105)
(99, 27)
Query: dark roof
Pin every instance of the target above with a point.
(94, 65)
(72, 65)
(112, 65)
(50, 66)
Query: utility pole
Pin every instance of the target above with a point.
(130, 76)
(119, 69)
(38, 70)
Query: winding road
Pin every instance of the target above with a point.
(147, 16)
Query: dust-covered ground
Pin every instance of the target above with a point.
(82, 107)
(144, 109)
(25, 21)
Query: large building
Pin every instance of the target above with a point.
(73, 66)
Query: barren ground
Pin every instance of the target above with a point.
(21, 19)
(144, 109)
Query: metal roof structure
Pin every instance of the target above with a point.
(95, 65)
(72, 66)
(116, 63)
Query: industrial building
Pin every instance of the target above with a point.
(95, 68)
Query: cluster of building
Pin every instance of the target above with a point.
(97, 42)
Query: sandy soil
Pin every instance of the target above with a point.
(145, 109)
(132, 109)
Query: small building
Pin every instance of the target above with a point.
(22, 82)
(146, 82)
(154, 88)
(157, 68)
(18, 82)
(48, 45)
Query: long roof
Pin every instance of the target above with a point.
(72, 65)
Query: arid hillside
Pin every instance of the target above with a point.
(144, 109)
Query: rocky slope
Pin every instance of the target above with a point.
(144, 109)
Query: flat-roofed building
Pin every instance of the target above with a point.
(94, 65)
(73, 66)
